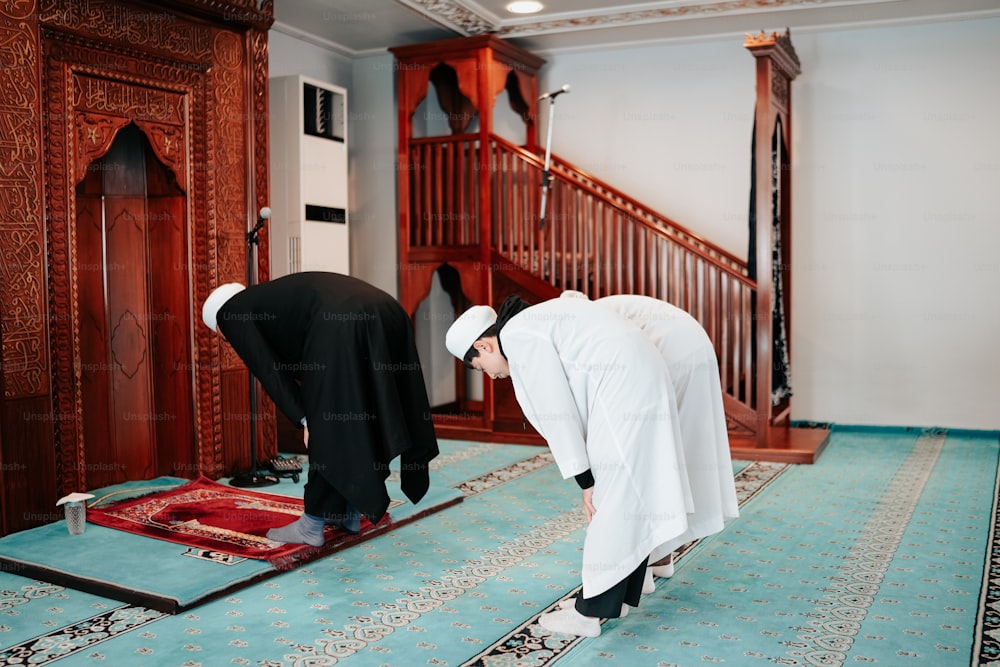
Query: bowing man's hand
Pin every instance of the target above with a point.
(588, 503)
(305, 436)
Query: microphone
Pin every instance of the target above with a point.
(552, 95)
(263, 216)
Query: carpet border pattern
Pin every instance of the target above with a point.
(78, 636)
(986, 645)
(495, 478)
(835, 621)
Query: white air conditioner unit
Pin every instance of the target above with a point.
(309, 227)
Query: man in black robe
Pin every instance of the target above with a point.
(337, 356)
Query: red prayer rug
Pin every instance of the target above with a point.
(205, 514)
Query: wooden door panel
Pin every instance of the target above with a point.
(126, 270)
(170, 326)
(95, 359)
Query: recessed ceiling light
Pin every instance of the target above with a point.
(524, 7)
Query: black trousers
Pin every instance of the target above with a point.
(609, 603)
(322, 500)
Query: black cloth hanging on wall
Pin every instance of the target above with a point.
(781, 386)
(780, 364)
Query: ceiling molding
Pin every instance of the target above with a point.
(378, 25)
(672, 11)
(451, 15)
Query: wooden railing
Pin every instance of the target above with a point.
(444, 191)
(594, 239)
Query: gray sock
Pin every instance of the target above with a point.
(307, 529)
(352, 522)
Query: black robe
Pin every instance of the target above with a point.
(341, 353)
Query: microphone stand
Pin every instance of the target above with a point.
(546, 174)
(254, 477)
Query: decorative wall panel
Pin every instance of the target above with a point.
(192, 77)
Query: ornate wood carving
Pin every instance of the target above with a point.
(261, 127)
(778, 62)
(168, 142)
(101, 101)
(192, 76)
(113, 23)
(259, 97)
(22, 296)
(94, 134)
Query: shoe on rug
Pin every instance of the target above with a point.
(664, 571)
(570, 622)
(570, 603)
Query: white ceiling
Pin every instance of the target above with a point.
(363, 27)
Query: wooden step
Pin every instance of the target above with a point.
(785, 445)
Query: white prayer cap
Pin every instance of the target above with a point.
(574, 294)
(467, 329)
(216, 300)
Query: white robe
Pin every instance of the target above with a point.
(599, 393)
(694, 371)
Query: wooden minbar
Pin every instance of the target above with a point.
(469, 203)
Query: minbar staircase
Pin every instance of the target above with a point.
(470, 212)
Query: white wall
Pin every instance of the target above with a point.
(373, 176)
(897, 226)
(289, 55)
(669, 125)
(896, 207)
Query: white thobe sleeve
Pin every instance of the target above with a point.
(544, 395)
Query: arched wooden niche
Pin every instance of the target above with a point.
(468, 73)
(134, 312)
(459, 108)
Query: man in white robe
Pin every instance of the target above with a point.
(694, 371)
(599, 393)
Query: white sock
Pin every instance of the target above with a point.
(648, 585)
(570, 622)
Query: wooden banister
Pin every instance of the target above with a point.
(571, 172)
(434, 157)
(595, 239)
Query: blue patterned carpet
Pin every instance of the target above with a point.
(881, 553)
